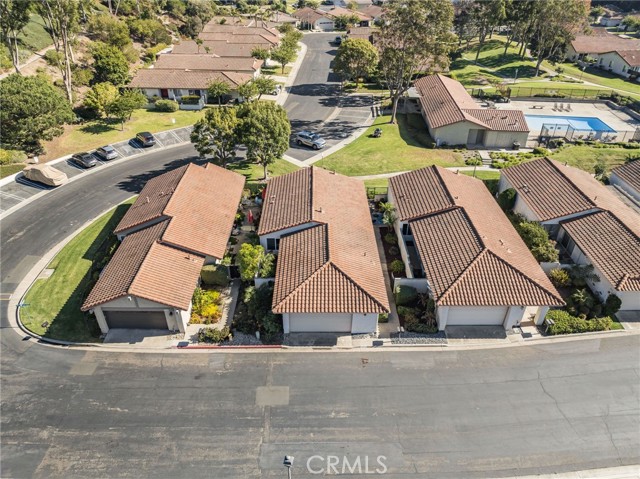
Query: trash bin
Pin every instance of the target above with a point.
(516, 145)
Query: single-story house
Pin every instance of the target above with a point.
(328, 276)
(459, 246)
(256, 39)
(364, 33)
(608, 51)
(208, 63)
(314, 19)
(365, 20)
(181, 221)
(454, 118)
(589, 222)
(174, 84)
(216, 49)
(250, 29)
(373, 11)
(627, 178)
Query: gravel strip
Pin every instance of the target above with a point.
(365, 336)
(415, 338)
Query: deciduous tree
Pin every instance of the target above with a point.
(110, 64)
(283, 54)
(265, 130)
(217, 89)
(415, 36)
(100, 97)
(216, 135)
(356, 58)
(264, 85)
(123, 107)
(14, 16)
(32, 110)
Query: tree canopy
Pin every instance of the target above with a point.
(110, 64)
(14, 16)
(356, 58)
(32, 110)
(217, 89)
(265, 130)
(216, 134)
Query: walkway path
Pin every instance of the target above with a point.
(33, 58)
(385, 329)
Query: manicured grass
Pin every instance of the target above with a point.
(585, 157)
(8, 170)
(483, 174)
(276, 71)
(34, 37)
(254, 173)
(54, 303)
(402, 147)
(377, 183)
(97, 133)
(601, 77)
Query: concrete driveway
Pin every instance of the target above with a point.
(315, 102)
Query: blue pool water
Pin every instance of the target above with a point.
(579, 123)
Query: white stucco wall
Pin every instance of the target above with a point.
(505, 139)
(286, 231)
(612, 62)
(364, 323)
(455, 134)
(614, 179)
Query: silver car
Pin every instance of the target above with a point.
(107, 152)
(308, 138)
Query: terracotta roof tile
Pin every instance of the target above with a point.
(464, 240)
(197, 200)
(207, 62)
(253, 39)
(191, 79)
(308, 14)
(142, 267)
(629, 173)
(610, 245)
(235, 30)
(631, 57)
(219, 49)
(333, 266)
(603, 43)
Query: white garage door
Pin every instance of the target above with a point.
(481, 315)
(320, 323)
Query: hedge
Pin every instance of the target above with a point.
(166, 106)
(214, 275)
(564, 323)
(212, 335)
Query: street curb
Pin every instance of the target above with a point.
(31, 199)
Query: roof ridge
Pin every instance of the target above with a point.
(444, 184)
(303, 283)
(360, 288)
(573, 185)
(175, 190)
(461, 275)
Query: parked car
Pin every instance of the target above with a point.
(308, 138)
(107, 152)
(276, 90)
(146, 139)
(45, 174)
(84, 159)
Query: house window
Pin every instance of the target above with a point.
(406, 229)
(273, 244)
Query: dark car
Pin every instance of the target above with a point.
(146, 139)
(107, 152)
(84, 159)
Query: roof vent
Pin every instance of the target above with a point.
(148, 200)
(501, 242)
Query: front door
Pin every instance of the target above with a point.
(475, 137)
(164, 93)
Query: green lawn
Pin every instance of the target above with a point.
(276, 71)
(34, 37)
(254, 173)
(377, 183)
(585, 157)
(8, 170)
(54, 303)
(601, 77)
(97, 133)
(402, 147)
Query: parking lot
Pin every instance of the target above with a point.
(22, 189)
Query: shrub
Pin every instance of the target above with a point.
(212, 335)
(82, 76)
(391, 238)
(539, 151)
(9, 157)
(150, 53)
(564, 323)
(612, 305)
(214, 275)
(206, 306)
(249, 259)
(507, 199)
(537, 240)
(268, 266)
(52, 58)
(414, 325)
(405, 295)
(166, 106)
(394, 251)
(211, 314)
(383, 318)
(190, 99)
(560, 277)
(397, 266)
(475, 161)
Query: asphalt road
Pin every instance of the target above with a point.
(69, 413)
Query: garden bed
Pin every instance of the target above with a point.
(391, 252)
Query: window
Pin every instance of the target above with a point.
(406, 229)
(273, 244)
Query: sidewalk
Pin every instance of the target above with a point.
(386, 329)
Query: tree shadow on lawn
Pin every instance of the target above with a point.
(99, 127)
(413, 131)
(135, 183)
(71, 324)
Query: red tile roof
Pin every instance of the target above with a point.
(254, 39)
(207, 62)
(603, 43)
(191, 79)
(332, 266)
(143, 267)
(610, 245)
(308, 14)
(235, 30)
(469, 250)
(631, 57)
(219, 49)
(629, 173)
(445, 101)
(200, 202)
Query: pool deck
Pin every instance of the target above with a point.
(617, 120)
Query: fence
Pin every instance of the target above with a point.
(377, 192)
(569, 133)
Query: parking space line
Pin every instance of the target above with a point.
(175, 135)
(33, 184)
(9, 195)
(159, 143)
(72, 164)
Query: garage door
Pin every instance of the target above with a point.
(136, 319)
(480, 316)
(320, 323)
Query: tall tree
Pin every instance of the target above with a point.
(100, 97)
(556, 24)
(260, 53)
(356, 58)
(487, 15)
(217, 89)
(415, 36)
(110, 64)
(264, 85)
(283, 54)
(216, 135)
(123, 107)
(32, 110)
(14, 16)
(61, 22)
(519, 17)
(265, 130)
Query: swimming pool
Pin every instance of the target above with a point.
(578, 123)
